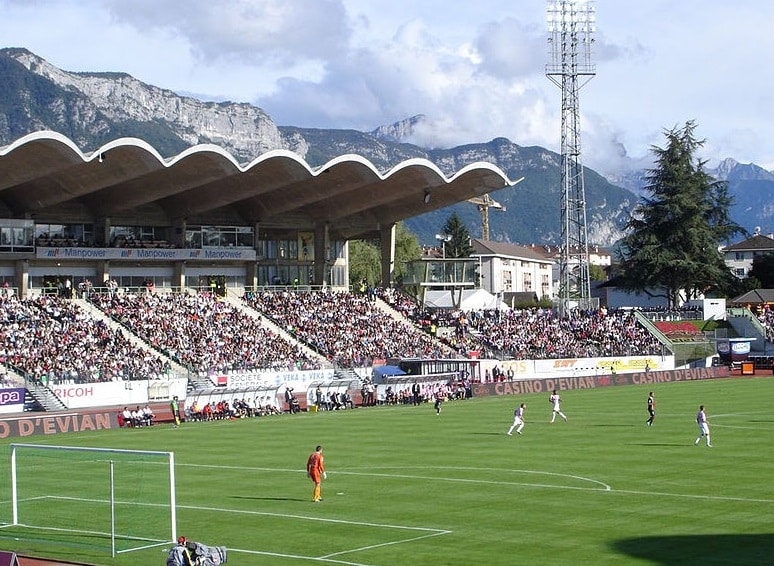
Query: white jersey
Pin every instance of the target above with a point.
(701, 420)
(555, 400)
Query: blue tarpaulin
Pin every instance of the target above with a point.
(386, 371)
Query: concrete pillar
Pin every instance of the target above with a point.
(387, 234)
(321, 249)
(22, 277)
(102, 232)
(103, 273)
(178, 276)
(177, 238)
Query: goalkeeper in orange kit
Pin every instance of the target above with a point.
(315, 469)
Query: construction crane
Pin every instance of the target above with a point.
(484, 203)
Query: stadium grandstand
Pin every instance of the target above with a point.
(130, 279)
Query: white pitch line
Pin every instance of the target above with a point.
(297, 557)
(608, 489)
(371, 547)
(308, 518)
(742, 427)
(757, 428)
(476, 469)
(723, 415)
(603, 486)
(431, 532)
(690, 496)
(328, 557)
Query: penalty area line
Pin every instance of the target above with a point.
(391, 543)
(297, 557)
(319, 519)
(328, 558)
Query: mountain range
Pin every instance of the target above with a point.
(95, 108)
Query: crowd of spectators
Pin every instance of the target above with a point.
(349, 329)
(53, 341)
(123, 241)
(534, 333)
(685, 312)
(766, 318)
(203, 332)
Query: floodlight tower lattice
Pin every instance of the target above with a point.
(570, 36)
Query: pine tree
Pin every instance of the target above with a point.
(672, 249)
(458, 243)
(762, 272)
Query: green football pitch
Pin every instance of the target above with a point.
(406, 486)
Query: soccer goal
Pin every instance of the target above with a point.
(95, 496)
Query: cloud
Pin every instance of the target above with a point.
(258, 32)
(466, 91)
(476, 70)
(510, 49)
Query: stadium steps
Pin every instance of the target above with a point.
(382, 305)
(249, 311)
(177, 368)
(346, 373)
(45, 397)
(385, 307)
(198, 382)
(747, 325)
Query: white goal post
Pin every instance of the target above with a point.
(79, 489)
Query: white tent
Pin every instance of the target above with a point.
(468, 300)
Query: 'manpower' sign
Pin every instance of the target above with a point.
(143, 254)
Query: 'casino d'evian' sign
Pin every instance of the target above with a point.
(55, 423)
(522, 387)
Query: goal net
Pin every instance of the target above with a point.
(121, 499)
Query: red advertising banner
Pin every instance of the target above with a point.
(54, 423)
(522, 387)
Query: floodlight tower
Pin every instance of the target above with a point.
(570, 29)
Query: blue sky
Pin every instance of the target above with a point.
(475, 69)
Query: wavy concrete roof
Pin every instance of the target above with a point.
(46, 176)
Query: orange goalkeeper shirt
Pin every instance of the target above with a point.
(314, 466)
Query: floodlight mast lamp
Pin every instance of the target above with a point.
(570, 35)
(444, 239)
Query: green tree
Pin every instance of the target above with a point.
(407, 249)
(763, 271)
(365, 256)
(672, 247)
(597, 273)
(457, 243)
(364, 262)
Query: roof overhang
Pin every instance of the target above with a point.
(44, 172)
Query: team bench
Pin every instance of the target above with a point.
(162, 414)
